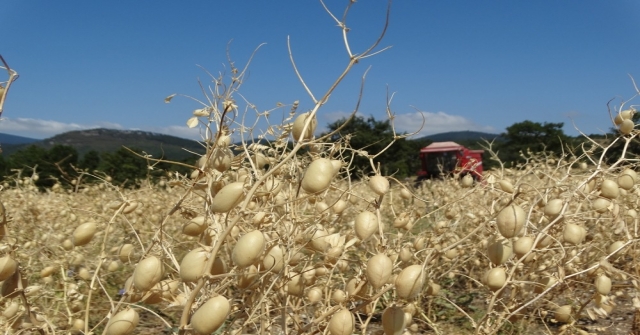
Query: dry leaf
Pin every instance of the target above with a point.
(192, 122)
(168, 99)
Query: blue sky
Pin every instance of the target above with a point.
(464, 65)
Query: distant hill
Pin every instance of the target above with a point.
(8, 142)
(460, 136)
(109, 140)
(13, 139)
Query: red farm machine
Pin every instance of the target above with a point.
(445, 158)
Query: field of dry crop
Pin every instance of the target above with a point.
(550, 246)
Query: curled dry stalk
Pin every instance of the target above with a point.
(5, 85)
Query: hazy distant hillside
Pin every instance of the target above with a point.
(13, 139)
(107, 140)
(460, 136)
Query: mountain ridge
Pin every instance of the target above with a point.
(162, 145)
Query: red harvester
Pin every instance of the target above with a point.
(444, 158)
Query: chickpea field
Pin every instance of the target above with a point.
(282, 239)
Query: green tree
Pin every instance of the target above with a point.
(90, 161)
(54, 164)
(534, 136)
(372, 136)
(26, 159)
(60, 163)
(124, 167)
(4, 167)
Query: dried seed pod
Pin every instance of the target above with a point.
(563, 313)
(574, 233)
(195, 226)
(401, 220)
(228, 197)
(614, 246)
(259, 160)
(47, 271)
(339, 296)
(379, 269)
(603, 284)
(623, 115)
(523, 245)
(366, 224)
(451, 253)
(466, 181)
(406, 255)
(130, 206)
(601, 205)
(495, 278)
(123, 323)
(148, 273)
(125, 252)
(379, 184)
(66, 245)
(393, 320)
(499, 251)
(317, 240)
(609, 189)
(298, 127)
(274, 259)
(511, 220)
(211, 315)
(248, 249)
(410, 281)
(220, 159)
(314, 294)
(249, 275)
(419, 243)
(553, 208)
(295, 286)
(113, 266)
(433, 289)
(339, 206)
(506, 186)
(193, 264)
(626, 127)
(405, 194)
(84, 233)
(11, 310)
(318, 176)
(321, 207)
(84, 274)
(77, 325)
(627, 179)
(7, 267)
(342, 323)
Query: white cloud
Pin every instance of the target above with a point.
(435, 123)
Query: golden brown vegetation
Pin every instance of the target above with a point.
(279, 240)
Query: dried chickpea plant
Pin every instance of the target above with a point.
(274, 237)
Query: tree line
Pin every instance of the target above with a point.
(62, 164)
(358, 138)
